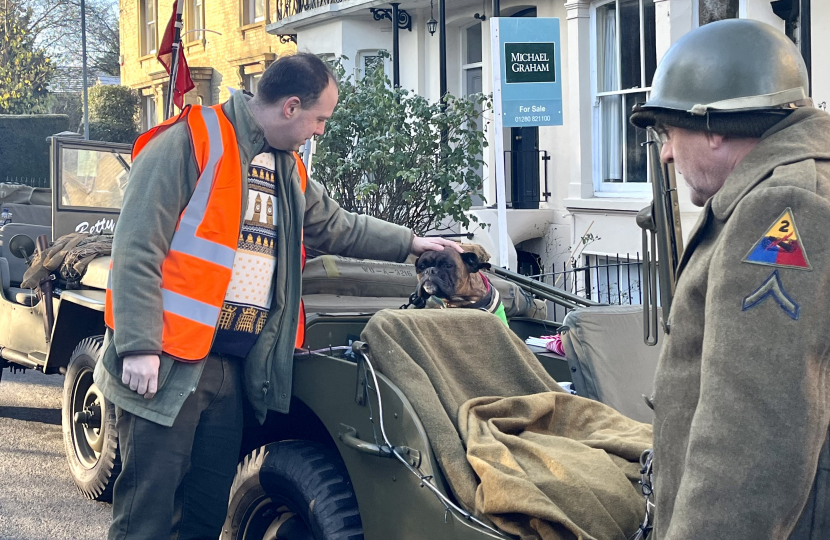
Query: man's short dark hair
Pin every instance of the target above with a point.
(303, 75)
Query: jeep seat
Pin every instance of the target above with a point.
(27, 204)
(609, 360)
(30, 214)
(15, 294)
(17, 266)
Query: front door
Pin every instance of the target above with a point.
(524, 152)
(525, 166)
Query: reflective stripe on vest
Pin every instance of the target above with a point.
(212, 151)
(203, 248)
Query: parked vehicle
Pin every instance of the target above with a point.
(57, 330)
(328, 448)
(309, 474)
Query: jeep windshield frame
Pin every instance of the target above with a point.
(88, 183)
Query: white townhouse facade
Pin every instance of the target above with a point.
(591, 173)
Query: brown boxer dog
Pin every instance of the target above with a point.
(448, 279)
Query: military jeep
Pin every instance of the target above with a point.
(311, 474)
(353, 460)
(57, 328)
(324, 472)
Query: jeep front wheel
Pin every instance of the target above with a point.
(292, 490)
(88, 420)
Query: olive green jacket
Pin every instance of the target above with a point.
(742, 390)
(162, 181)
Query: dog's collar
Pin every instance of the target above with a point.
(489, 302)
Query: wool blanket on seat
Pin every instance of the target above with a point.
(515, 448)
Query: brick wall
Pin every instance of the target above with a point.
(216, 61)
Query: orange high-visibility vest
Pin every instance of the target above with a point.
(206, 238)
(300, 340)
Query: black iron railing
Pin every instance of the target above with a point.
(606, 279)
(287, 8)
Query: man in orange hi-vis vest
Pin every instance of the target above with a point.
(206, 281)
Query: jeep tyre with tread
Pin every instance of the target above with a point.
(88, 421)
(292, 490)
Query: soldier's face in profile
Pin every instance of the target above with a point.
(698, 157)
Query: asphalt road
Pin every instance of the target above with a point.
(38, 500)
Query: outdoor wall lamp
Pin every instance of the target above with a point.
(432, 24)
(483, 15)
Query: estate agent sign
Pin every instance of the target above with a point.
(527, 90)
(531, 86)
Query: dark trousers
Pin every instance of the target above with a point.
(175, 480)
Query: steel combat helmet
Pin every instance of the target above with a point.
(735, 77)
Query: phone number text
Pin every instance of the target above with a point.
(528, 118)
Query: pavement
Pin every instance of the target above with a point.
(38, 500)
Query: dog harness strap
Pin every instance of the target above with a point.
(500, 313)
(496, 307)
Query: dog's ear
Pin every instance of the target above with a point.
(483, 256)
(472, 262)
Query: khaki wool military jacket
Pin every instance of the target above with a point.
(742, 390)
(162, 181)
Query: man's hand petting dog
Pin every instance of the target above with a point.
(451, 276)
(421, 245)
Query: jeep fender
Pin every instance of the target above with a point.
(80, 315)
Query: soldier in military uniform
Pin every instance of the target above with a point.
(742, 391)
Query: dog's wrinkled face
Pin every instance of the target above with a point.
(447, 274)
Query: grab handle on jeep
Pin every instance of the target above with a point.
(349, 437)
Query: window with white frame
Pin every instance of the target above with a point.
(625, 57)
(195, 19)
(147, 114)
(148, 27)
(471, 68)
(472, 60)
(253, 11)
(368, 61)
(250, 81)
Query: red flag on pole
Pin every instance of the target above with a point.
(184, 83)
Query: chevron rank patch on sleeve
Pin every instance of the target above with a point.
(780, 246)
(773, 288)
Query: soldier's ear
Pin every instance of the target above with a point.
(472, 262)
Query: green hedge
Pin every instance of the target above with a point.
(23, 147)
(105, 131)
(113, 114)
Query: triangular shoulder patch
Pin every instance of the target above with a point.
(780, 246)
